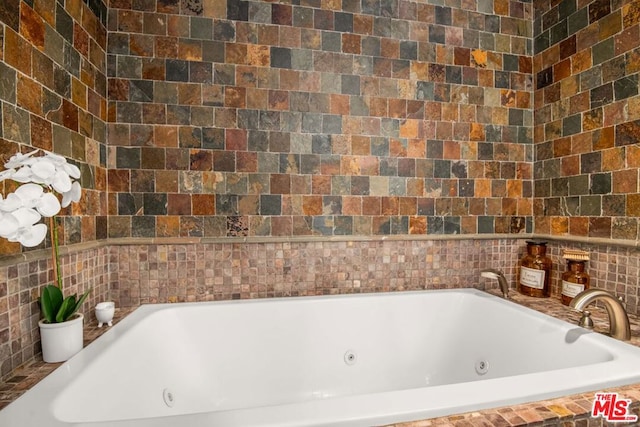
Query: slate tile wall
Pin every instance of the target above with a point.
(354, 118)
(587, 118)
(53, 89)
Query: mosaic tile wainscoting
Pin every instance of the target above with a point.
(20, 284)
(134, 272)
(219, 271)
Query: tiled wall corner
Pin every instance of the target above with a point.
(20, 286)
(53, 96)
(587, 119)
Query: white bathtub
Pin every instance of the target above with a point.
(340, 360)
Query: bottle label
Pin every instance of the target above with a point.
(532, 278)
(571, 289)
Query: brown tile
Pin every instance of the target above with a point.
(559, 226)
(600, 227)
(523, 99)
(418, 225)
(312, 205)
(281, 14)
(235, 97)
(257, 98)
(630, 15)
(610, 25)
(249, 205)
(41, 133)
(178, 204)
(302, 226)
(203, 204)
(451, 150)
(581, 61)
(141, 45)
(17, 51)
(224, 161)
(633, 156)
(201, 160)
(300, 184)
(627, 40)
(247, 161)
(281, 226)
(570, 165)
(613, 159)
(390, 206)
(340, 104)
(166, 181)
(268, 35)
(32, 26)
(615, 113)
(627, 133)
(280, 184)
(592, 119)
(579, 226)
(321, 184)
(118, 180)
(604, 138)
(633, 205)
(417, 148)
(278, 100)
(166, 47)
(397, 148)
(352, 205)
(371, 205)
(351, 43)
(419, 70)
(29, 94)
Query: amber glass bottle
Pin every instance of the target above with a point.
(535, 270)
(574, 280)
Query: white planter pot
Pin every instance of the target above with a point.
(60, 341)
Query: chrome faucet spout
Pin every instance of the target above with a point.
(492, 273)
(618, 320)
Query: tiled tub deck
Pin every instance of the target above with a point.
(567, 411)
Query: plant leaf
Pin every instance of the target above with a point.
(79, 303)
(67, 305)
(50, 302)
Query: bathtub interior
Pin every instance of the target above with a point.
(186, 359)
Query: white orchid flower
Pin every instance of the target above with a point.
(43, 170)
(72, 195)
(33, 196)
(72, 170)
(60, 163)
(9, 225)
(32, 235)
(7, 174)
(23, 175)
(20, 226)
(29, 194)
(27, 216)
(61, 182)
(18, 160)
(42, 177)
(11, 203)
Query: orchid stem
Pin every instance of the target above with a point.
(56, 254)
